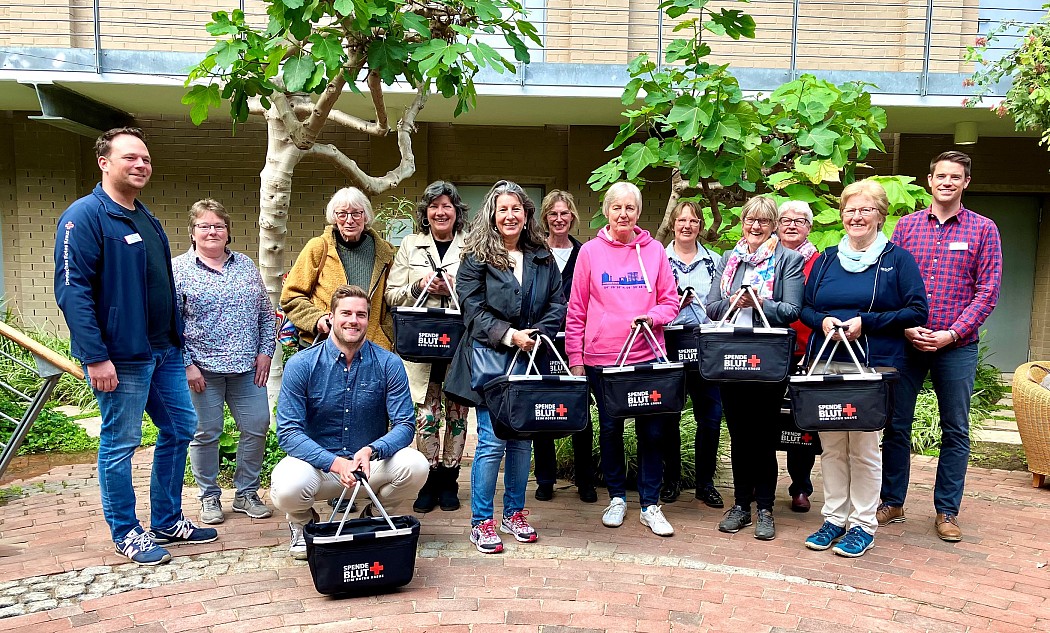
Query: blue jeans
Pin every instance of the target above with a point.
(648, 429)
(159, 388)
(952, 371)
(251, 412)
(485, 470)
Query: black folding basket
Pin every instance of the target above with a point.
(842, 402)
(550, 361)
(731, 353)
(790, 437)
(530, 405)
(363, 556)
(680, 338)
(629, 391)
(427, 335)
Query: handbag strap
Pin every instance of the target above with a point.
(650, 338)
(734, 311)
(362, 480)
(838, 329)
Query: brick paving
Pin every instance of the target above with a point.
(579, 577)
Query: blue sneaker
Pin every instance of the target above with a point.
(825, 537)
(855, 543)
(184, 532)
(139, 547)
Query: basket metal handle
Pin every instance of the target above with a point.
(440, 273)
(838, 329)
(650, 338)
(362, 480)
(734, 311)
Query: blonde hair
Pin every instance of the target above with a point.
(557, 195)
(760, 208)
(873, 190)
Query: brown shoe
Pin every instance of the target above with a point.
(887, 514)
(800, 503)
(948, 527)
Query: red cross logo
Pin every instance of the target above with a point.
(561, 410)
(754, 361)
(444, 339)
(376, 568)
(806, 438)
(849, 410)
(655, 396)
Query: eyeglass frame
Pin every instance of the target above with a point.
(871, 211)
(763, 222)
(219, 228)
(342, 215)
(786, 222)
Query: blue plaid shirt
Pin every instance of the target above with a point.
(328, 410)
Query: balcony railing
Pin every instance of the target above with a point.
(912, 47)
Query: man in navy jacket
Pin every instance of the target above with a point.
(114, 285)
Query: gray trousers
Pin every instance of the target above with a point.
(251, 412)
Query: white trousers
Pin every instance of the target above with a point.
(296, 485)
(851, 465)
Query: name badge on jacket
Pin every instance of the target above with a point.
(133, 238)
(958, 246)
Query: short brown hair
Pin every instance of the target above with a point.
(952, 156)
(346, 291)
(205, 205)
(104, 143)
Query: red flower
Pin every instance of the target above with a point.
(967, 82)
(981, 41)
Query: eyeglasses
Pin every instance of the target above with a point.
(688, 221)
(866, 212)
(357, 215)
(793, 221)
(763, 222)
(218, 228)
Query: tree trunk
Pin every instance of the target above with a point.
(274, 193)
(678, 186)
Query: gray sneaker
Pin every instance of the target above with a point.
(736, 519)
(765, 530)
(251, 505)
(211, 511)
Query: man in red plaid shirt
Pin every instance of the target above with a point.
(960, 256)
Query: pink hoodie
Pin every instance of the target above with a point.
(613, 283)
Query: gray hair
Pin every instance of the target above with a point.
(484, 241)
(619, 190)
(349, 198)
(796, 206)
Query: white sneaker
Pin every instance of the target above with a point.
(614, 512)
(653, 517)
(298, 542)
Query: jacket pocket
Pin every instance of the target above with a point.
(112, 323)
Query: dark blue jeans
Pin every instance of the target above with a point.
(952, 371)
(707, 410)
(159, 388)
(614, 460)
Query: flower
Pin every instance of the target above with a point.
(968, 82)
(1001, 110)
(981, 41)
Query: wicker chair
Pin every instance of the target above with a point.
(1032, 410)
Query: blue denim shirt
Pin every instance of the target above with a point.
(328, 410)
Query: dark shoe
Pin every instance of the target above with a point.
(948, 527)
(708, 494)
(544, 492)
(800, 502)
(448, 496)
(671, 492)
(887, 514)
(183, 531)
(369, 512)
(736, 519)
(764, 529)
(588, 495)
(342, 505)
(427, 498)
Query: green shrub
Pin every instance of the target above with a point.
(228, 454)
(68, 391)
(52, 432)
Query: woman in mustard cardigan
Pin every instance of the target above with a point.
(347, 252)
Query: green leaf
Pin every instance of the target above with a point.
(328, 49)
(688, 119)
(343, 7)
(416, 22)
(630, 91)
(229, 52)
(818, 171)
(799, 192)
(820, 138)
(297, 71)
(387, 56)
(292, 4)
(637, 157)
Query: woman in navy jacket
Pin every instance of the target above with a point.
(873, 290)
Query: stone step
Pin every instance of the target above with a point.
(999, 437)
(1000, 425)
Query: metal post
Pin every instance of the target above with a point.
(20, 432)
(659, 39)
(794, 40)
(242, 6)
(924, 81)
(97, 17)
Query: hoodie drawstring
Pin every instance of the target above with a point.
(641, 264)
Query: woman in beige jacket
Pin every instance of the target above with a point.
(440, 219)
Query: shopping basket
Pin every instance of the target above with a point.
(732, 353)
(427, 335)
(629, 391)
(861, 401)
(790, 437)
(530, 405)
(363, 556)
(680, 337)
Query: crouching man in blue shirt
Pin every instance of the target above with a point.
(344, 406)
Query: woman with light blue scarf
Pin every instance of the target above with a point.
(873, 290)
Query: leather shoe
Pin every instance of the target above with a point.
(948, 527)
(800, 502)
(887, 514)
(544, 492)
(588, 495)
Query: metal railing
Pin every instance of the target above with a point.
(917, 38)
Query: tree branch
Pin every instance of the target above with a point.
(369, 185)
(312, 126)
(355, 123)
(283, 108)
(375, 88)
(678, 186)
(716, 213)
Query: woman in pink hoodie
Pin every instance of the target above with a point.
(622, 277)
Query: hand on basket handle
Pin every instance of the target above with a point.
(577, 370)
(348, 469)
(524, 339)
(639, 320)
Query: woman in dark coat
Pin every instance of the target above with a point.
(510, 289)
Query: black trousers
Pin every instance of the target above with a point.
(582, 458)
(751, 411)
(707, 410)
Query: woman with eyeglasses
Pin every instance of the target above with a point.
(440, 218)
(874, 291)
(774, 272)
(229, 345)
(693, 265)
(793, 226)
(348, 251)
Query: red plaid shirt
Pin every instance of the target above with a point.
(961, 263)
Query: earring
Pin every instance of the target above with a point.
(426, 224)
